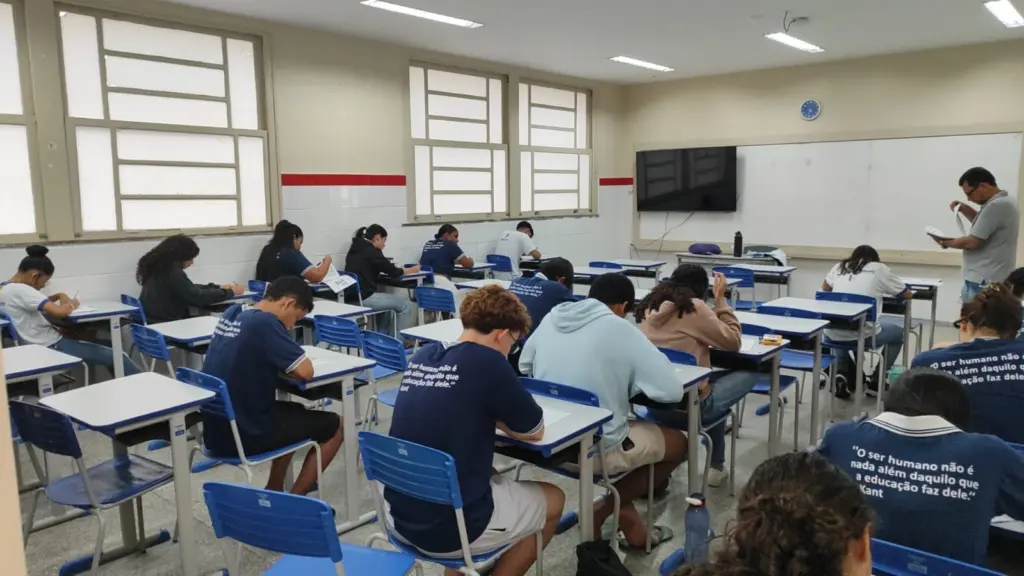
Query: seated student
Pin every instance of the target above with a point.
(517, 243)
(863, 273)
(1016, 283)
(251, 350)
(798, 514)
(995, 383)
(675, 316)
(935, 487)
(282, 257)
(167, 292)
(366, 260)
(452, 399)
(590, 345)
(30, 311)
(442, 254)
(549, 287)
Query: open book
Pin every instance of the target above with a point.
(936, 233)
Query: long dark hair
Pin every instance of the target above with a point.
(284, 237)
(687, 282)
(797, 515)
(171, 251)
(861, 257)
(37, 260)
(444, 231)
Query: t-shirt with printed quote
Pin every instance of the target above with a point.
(441, 254)
(539, 295)
(993, 372)
(451, 399)
(934, 487)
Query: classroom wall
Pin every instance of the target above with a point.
(11, 544)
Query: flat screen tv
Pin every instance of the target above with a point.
(686, 180)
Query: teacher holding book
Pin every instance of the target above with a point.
(990, 246)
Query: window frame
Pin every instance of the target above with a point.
(411, 144)
(265, 120)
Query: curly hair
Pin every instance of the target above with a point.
(494, 308)
(796, 517)
(995, 308)
(688, 281)
(171, 251)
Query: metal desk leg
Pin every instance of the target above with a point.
(815, 390)
(586, 489)
(118, 346)
(859, 398)
(183, 496)
(773, 409)
(352, 517)
(931, 331)
(908, 319)
(693, 438)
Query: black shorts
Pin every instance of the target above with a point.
(293, 423)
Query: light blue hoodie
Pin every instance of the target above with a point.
(584, 344)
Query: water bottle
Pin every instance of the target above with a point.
(737, 245)
(698, 529)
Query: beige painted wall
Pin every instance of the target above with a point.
(11, 547)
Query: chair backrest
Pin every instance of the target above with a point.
(501, 263)
(275, 521)
(138, 317)
(888, 559)
(150, 342)
(45, 428)
(560, 391)
(386, 351)
(791, 312)
(604, 264)
(411, 469)
(220, 405)
(259, 287)
(854, 298)
(10, 326)
(755, 330)
(679, 357)
(745, 276)
(340, 332)
(435, 299)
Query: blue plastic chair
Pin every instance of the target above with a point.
(800, 360)
(359, 293)
(501, 263)
(429, 475)
(845, 346)
(389, 353)
(300, 528)
(888, 559)
(678, 356)
(340, 332)
(606, 265)
(138, 317)
(259, 287)
(151, 344)
(95, 489)
(10, 327)
(746, 280)
(763, 387)
(431, 299)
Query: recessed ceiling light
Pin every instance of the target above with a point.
(792, 42)
(1007, 14)
(421, 14)
(641, 63)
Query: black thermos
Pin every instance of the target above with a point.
(737, 245)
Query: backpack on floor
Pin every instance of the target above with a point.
(598, 559)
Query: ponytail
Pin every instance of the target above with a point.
(370, 232)
(445, 230)
(360, 233)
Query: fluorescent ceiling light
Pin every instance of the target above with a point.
(641, 63)
(792, 42)
(1007, 14)
(421, 14)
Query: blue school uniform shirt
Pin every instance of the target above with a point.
(933, 486)
(539, 295)
(451, 399)
(250, 351)
(441, 255)
(286, 262)
(992, 370)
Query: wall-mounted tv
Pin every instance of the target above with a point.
(686, 180)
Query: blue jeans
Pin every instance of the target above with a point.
(970, 290)
(728, 387)
(94, 355)
(388, 301)
(891, 337)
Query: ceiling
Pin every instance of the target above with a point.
(696, 37)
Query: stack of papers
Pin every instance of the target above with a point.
(336, 282)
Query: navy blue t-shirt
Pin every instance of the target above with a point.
(451, 399)
(539, 295)
(286, 262)
(250, 351)
(441, 255)
(992, 370)
(934, 487)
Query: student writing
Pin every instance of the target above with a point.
(167, 292)
(514, 244)
(367, 261)
(282, 256)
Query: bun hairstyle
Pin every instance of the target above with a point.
(37, 260)
(444, 231)
(688, 281)
(995, 308)
(796, 515)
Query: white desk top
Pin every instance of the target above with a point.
(691, 375)
(122, 402)
(762, 269)
(190, 331)
(96, 310)
(243, 297)
(645, 264)
(30, 361)
(474, 284)
(753, 349)
(827, 308)
(541, 259)
(476, 266)
(784, 325)
(921, 282)
(415, 275)
(322, 307)
(588, 271)
(563, 421)
(443, 331)
(330, 366)
(722, 256)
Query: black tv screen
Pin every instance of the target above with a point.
(686, 180)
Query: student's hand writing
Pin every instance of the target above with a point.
(412, 269)
(236, 289)
(74, 303)
(721, 284)
(326, 261)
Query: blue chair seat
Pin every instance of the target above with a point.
(453, 563)
(253, 458)
(115, 480)
(388, 397)
(764, 384)
(356, 560)
(803, 361)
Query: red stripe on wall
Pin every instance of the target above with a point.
(343, 179)
(615, 182)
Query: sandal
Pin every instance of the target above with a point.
(659, 534)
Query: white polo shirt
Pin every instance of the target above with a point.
(514, 244)
(24, 304)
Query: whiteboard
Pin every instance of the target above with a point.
(843, 194)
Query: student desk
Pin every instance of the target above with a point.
(720, 259)
(640, 268)
(531, 263)
(324, 307)
(189, 333)
(129, 403)
(331, 368)
(592, 273)
(247, 296)
(106, 310)
(477, 271)
(443, 331)
(803, 330)
(846, 312)
(926, 289)
(409, 281)
(777, 274)
(474, 284)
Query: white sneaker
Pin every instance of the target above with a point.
(717, 477)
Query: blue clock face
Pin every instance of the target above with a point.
(810, 110)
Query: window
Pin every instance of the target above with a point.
(165, 127)
(554, 149)
(459, 154)
(18, 194)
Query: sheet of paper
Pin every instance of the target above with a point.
(960, 220)
(336, 282)
(83, 309)
(936, 233)
(749, 342)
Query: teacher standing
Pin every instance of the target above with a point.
(990, 248)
